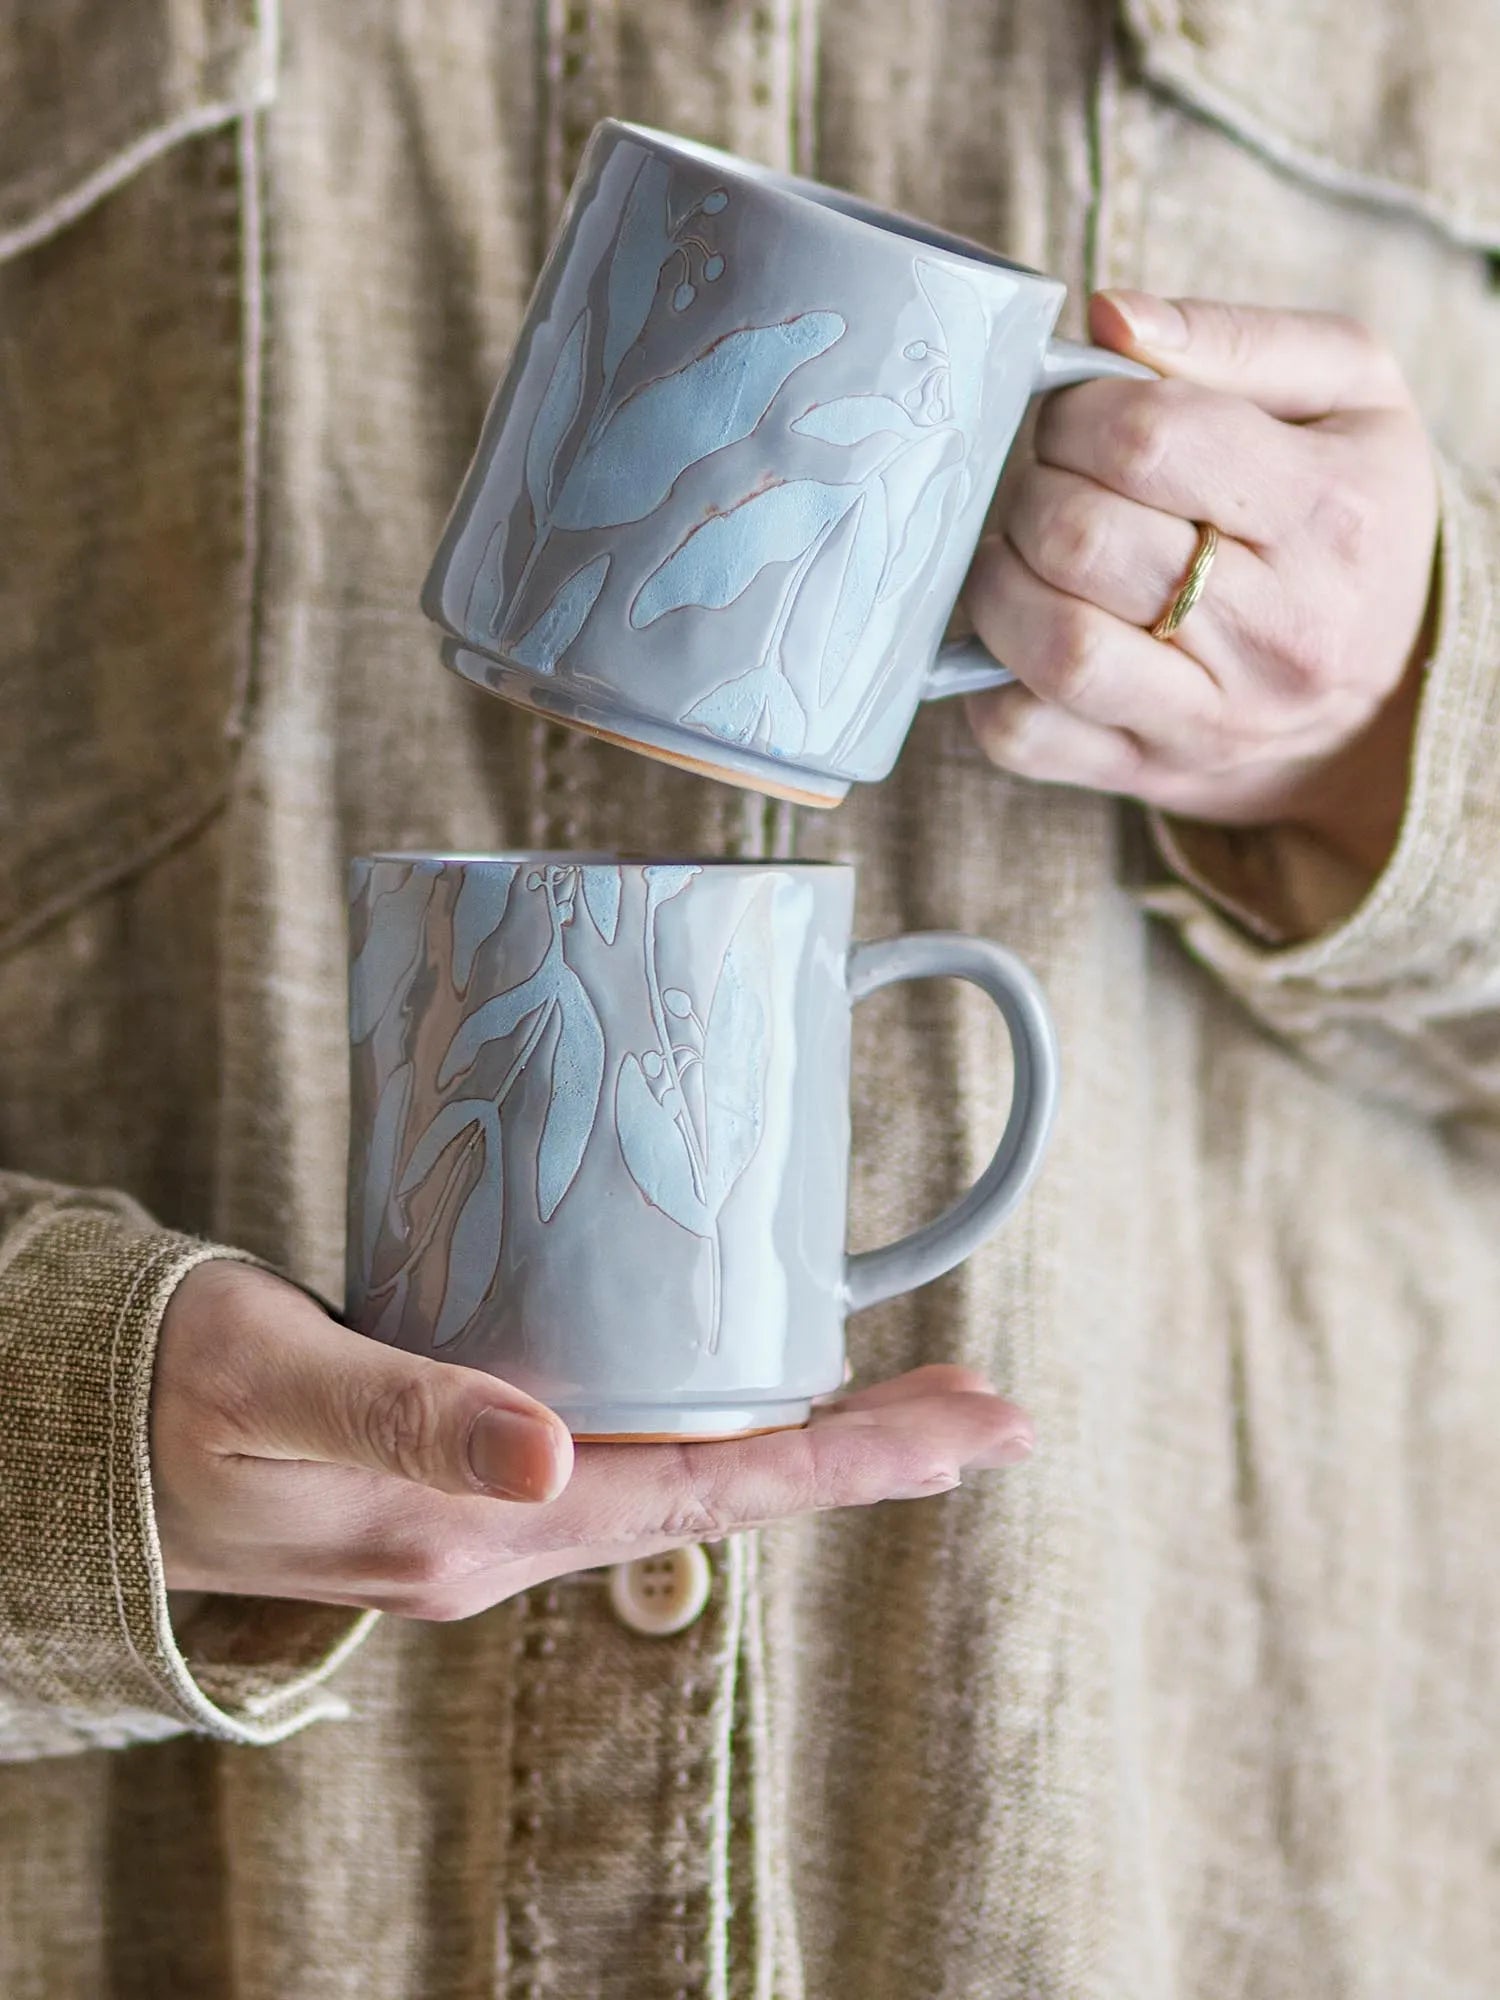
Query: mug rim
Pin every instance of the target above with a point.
(536, 857)
(841, 205)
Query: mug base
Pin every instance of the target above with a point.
(658, 740)
(688, 1423)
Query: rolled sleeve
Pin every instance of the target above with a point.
(1394, 985)
(89, 1653)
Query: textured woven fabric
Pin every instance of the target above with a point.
(1202, 1705)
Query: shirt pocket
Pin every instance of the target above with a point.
(1376, 99)
(128, 312)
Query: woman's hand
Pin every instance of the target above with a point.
(1288, 694)
(292, 1458)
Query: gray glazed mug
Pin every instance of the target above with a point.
(599, 1136)
(727, 492)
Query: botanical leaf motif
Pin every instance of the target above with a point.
(666, 879)
(386, 1128)
(722, 557)
(785, 720)
(917, 487)
(735, 1052)
(560, 624)
(482, 615)
(965, 324)
(577, 1078)
(733, 710)
(641, 248)
(496, 1018)
(655, 1151)
(558, 408)
(388, 1326)
(448, 1122)
(864, 566)
(601, 898)
(670, 423)
(389, 957)
(474, 1245)
(849, 420)
(483, 898)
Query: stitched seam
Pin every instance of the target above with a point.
(1433, 203)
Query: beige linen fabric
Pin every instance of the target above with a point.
(1203, 1702)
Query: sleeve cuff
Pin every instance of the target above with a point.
(89, 1656)
(1293, 929)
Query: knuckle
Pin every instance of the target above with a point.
(1075, 659)
(1344, 519)
(1141, 438)
(1006, 728)
(1071, 541)
(697, 1510)
(402, 1425)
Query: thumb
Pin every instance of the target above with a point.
(1294, 365)
(340, 1398)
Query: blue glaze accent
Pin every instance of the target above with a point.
(601, 898)
(474, 1245)
(641, 248)
(720, 560)
(851, 420)
(577, 1078)
(385, 967)
(558, 409)
(736, 1051)
(671, 423)
(560, 624)
(966, 330)
(483, 899)
(734, 711)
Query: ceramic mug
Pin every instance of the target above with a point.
(600, 1128)
(727, 492)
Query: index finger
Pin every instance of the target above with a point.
(1197, 453)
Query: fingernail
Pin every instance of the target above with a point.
(1012, 1449)
(1153, 322)
(515, 1455)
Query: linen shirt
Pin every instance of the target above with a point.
(1203, 1701)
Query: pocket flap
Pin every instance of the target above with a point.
(92, 89)
(1379, 99)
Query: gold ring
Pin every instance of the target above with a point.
(1192, 583)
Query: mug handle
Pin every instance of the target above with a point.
(966, 666)
(873, 1275)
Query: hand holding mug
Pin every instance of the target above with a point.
(292, 1458)
(1288, 693)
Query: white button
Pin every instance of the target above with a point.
(661, 1594)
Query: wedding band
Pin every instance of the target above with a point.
(1192, 583)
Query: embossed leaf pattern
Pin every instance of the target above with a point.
(735, 1049)
(474, 1244)
(864, 566)
(851, 420)
(961, 314)
(666, 879)
(577, 1078)
(601, 898)
(734, 710)
(386, 1129)
(559, 406)
(918, 485)
(641, 248)
(388, 960)
(495, 1019)
(654, 1151)
(483, 899)
(674, 421)
(721, 558)
(562, 621)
